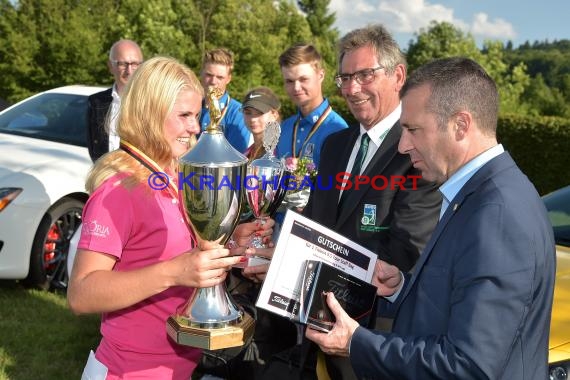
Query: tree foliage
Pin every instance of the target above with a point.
(549, 67)
(51, 43)
(442, 40)
(46, 44)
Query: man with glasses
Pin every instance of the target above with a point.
(125, 57)
(395, 214)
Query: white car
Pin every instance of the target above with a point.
(43, 165)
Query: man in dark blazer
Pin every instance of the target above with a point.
(479, 301)
(125, 57)
(393, 212)
(403, 214)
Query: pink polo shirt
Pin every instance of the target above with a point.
(139, 226)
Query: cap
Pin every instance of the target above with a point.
(261, 99)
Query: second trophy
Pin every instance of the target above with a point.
(265, 189)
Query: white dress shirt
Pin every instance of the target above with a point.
(114, 139)
(377, 135)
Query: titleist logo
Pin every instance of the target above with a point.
(342, 293)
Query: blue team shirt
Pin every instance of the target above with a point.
(232, 123)
(333, 123)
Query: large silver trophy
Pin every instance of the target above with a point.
(211, 196)
(265, 189)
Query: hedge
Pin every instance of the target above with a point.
(540, 146)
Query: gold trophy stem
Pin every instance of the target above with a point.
(210, 320)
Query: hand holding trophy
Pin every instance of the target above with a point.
(264, 189)
(211, 195)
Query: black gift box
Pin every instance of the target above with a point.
(354, 295)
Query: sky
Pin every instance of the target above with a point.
(515, 20)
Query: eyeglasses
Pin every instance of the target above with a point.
(124, 65)
(365, 76)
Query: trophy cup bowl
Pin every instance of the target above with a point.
(211, 195)
(264, 189)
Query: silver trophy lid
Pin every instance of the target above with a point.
(213, 150)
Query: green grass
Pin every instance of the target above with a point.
(39, 336)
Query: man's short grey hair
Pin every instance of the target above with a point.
(385, 47)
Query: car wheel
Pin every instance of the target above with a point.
(48, 259)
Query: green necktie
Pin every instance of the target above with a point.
(361, 156)
(357, 166)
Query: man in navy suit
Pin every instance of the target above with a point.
(478, 303)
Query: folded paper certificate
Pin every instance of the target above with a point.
(302, 239)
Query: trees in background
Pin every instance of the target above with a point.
(532, 80)
(50, 43)
(45, 44)
(548, 64)
(442, 40)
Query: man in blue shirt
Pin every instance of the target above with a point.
(303, 134)
(217, 67)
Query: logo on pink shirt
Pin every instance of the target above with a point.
(94, 228)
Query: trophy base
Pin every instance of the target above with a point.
(211, 339)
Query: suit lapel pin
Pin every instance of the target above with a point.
(369, 215)
(455, 206)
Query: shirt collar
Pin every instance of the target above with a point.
(315, 114)
(383, 126)
(453, 185)
(115, 93)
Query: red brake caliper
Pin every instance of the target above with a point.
(53, 235)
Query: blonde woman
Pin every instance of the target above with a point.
(137, 260)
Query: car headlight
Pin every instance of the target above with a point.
(559, 371)
(7, 195)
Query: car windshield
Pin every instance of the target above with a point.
(558, 206)
(49, 116)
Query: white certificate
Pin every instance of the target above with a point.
(302, 239)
